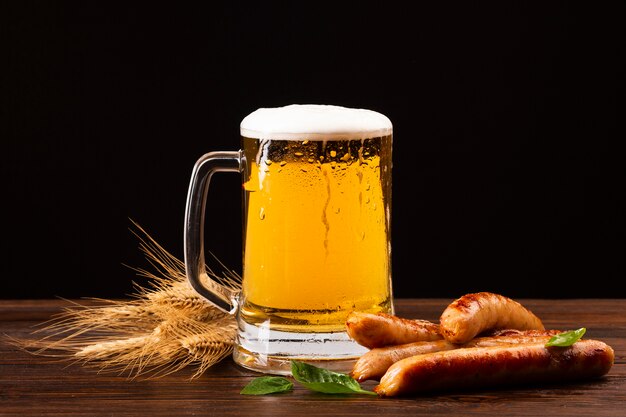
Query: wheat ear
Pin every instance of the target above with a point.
(165, 327)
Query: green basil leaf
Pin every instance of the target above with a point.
(267, 385)
(323, 380)
(566, 338)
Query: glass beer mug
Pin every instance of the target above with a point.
(317, 204)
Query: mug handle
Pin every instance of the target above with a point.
(222, 297)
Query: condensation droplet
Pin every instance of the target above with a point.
(298, 154)
(262, 213)
(333, 154)
(268, 162)
(305, 142)
(367, 200)
(310, 160)
(303, 169)
(283, 163)
(367, 186)
(346, 157)
(333, 164)
(337, 210)
(321, 157)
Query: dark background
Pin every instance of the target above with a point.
(507, 175)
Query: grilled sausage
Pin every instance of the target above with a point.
(496, 365)
(475, 313)
(374, 364)
(378, 330)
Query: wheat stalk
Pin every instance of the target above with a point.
(162, 329)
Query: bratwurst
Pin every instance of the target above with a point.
(496, 365)
(378, 330)
(374, 363)
(473, 314)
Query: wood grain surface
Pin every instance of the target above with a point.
(33, 385)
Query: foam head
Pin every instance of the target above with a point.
(314, 122)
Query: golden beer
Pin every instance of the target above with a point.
(317, 211)
(317, 231)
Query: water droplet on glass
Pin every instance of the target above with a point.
(268, 162)
(298, 154)
(346, 157)
(333, 154)
(283, 163)
(262, 213)
(337, 210)
(310, 160)
(305, 142)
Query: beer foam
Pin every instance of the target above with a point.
(314, 122)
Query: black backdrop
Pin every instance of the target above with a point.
(507, 175)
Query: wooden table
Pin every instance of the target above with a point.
(32, 385)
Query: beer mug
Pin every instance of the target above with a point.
(316, 222)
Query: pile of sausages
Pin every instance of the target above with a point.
(482, 339)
